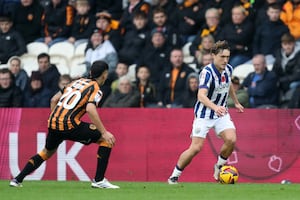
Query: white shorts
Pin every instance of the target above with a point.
(202, 126)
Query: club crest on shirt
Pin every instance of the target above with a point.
(30, 17)
(182, 74)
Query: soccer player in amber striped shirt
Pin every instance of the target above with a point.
(68, 106)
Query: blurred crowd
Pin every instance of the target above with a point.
(156, 37)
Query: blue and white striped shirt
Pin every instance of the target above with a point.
(218, 85)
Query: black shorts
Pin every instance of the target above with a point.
(85, 133)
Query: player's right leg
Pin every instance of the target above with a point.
(198, 135)
(185, 158)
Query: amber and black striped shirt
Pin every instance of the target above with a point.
(72, 104)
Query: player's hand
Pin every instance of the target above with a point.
(239, 107)
(221, 111)
(109, 138)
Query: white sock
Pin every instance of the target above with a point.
(176, 172)
(221, 161)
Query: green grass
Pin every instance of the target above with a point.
(73, 190)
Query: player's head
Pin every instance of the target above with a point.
(221, 53)
(99, 71)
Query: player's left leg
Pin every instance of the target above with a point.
(225, 129)
(103, 155)
(87, 133)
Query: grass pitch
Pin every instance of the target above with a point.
(76, 190)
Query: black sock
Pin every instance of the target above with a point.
(31, 165)
(102, 162)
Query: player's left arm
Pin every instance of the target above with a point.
(235, 99)
(54, 100)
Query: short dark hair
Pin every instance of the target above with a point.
(7, 71)
(219, 46)
(97, 68)
(43, 55)
(287, 37)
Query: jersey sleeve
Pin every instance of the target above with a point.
(96, 95)
(204, 79)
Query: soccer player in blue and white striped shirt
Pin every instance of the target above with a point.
(211, 111)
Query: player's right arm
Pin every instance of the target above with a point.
(91, 110)
(202, 97)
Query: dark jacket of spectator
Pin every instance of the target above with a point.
(265, 92)
(291, 72)
(83, 26)
(57, 21)
(12, 44)
(36, 95)
(134, 42)
(156, 59)
(50, 79)
(114, 7)
(267, 37)
(11, 97)
(239, 35)
(27, 21)
(164, 90)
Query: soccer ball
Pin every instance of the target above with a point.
(228, 175)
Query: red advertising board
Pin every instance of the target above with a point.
(149, 142)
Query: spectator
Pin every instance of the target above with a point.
(63, 81)
(168, 6)
(204, 59)
(135, 39)
(287, 67)
(261, 13)
(190, 94)
(204, 48)
(27, 19)
(224, 8)
(239, 35)
(12, 43)
(261, 85)
(290, 16)
(211, 26)
(111, 29)
(121, 70)
(173, 81)
(112, 82)
(21, 77)
(134, 6)
(125, 96)
(160, 22)
(83, 23)
(145, 87)
(241, 94)
(155, 55)
(36, 95)
(11, 95)
(267, 36)
(188, 19)
(49, 72)
(101, 50)
(56, 22)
